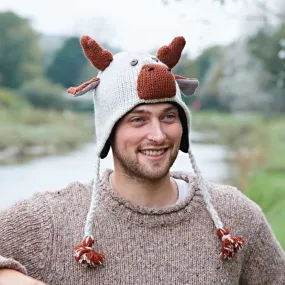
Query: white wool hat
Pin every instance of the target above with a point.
(125, 81)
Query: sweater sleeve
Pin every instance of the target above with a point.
(266, 262)
(26, 236)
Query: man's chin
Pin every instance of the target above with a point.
(150, 177)
(153, 173)
(143, 168)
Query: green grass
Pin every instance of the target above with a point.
(267, 186)
(259, 146)
(30, 127)
(234, 130)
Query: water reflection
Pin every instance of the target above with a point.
(52, 173)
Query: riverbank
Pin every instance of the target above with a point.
(258, 154)
(32, 133)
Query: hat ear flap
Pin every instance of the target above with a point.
(187, 86)
(84, 87)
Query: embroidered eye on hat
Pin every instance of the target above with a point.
(126, 80)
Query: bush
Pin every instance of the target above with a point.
(43, 94)
(10, 100)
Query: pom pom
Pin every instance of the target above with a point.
(230, 244)
(86, 255)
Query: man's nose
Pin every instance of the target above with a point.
(156, 133)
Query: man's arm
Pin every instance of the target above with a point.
(266, 261)
(25, 237)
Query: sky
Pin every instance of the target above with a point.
(138, 25)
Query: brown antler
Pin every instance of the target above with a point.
(170, 54)
(98, 56)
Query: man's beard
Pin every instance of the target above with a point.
(142, 173)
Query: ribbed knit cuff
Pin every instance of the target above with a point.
(9, 263)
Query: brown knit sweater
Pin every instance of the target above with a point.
(174, 245)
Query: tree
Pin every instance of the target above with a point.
(42, 94)
(67, 64)
(210, 89)
(9, 99)
(19, 52)
(205, 61)
(200, 68)
(272, 58)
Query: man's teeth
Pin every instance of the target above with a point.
(153, 152)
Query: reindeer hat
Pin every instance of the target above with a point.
(124, 81)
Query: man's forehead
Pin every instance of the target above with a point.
(153, 107)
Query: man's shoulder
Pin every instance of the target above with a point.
(230, 196)
(40, 202)
(230, 202)
(75, 192)
(234, 206)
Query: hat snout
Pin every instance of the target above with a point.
(155, 81)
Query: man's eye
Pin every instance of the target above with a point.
(137, 120)
(170, 117)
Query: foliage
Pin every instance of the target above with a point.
(69, 67)
(199, 68)
(210, 89)
(81, 106)
(19, 52)
(205, 61)
(185, 67)
(267, 183)
(32, 127)
(10, 100)
(272, 57)
(67, 63)
(41, 93)
(257, 152)
(48, 45)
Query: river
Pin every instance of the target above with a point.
(21, 181)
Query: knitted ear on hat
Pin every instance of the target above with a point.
(171, 54)
(98, 56)
(188, 86)
(84, 87)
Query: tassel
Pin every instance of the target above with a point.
(230, 244)
(86, 255)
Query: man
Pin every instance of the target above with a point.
(144, 224)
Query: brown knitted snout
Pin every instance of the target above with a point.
(155, 81)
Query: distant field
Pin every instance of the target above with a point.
(29, 130)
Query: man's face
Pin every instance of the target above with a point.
(147, 140)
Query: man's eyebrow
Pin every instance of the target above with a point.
(139, 112)
(170, 108)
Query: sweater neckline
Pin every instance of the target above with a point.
(123, 209)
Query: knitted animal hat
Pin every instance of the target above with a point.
(124, 81)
